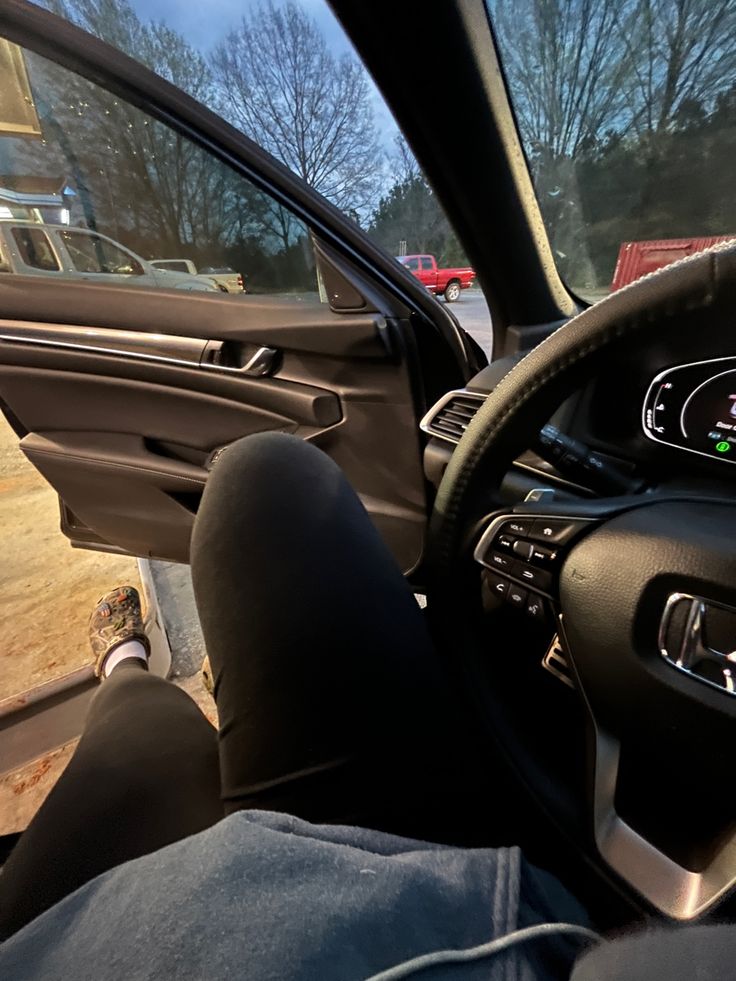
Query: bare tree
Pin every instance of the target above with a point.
(152, 175)
(279, 83)
(581, 69)
(137, 178)
(402, 163)
(567, 69)
(682, 53)
(409, 211)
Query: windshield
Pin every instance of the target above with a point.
(627, 113)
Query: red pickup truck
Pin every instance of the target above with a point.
(447, 282)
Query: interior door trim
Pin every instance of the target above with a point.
(166, 348)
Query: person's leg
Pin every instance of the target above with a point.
(328, 689)
(144, 775)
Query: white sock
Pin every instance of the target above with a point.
(130, 648)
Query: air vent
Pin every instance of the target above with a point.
(450, 417)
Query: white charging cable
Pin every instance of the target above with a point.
(490, 949)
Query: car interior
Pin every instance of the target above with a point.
(566, 509)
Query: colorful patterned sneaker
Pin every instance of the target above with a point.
(116, 619)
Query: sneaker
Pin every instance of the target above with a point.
(116, 618)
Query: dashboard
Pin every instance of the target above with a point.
(693, 407)
(661, 417)
(664, 411)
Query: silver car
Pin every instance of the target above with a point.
(30, 248)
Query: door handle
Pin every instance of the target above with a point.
(262, 362)
(226, 356)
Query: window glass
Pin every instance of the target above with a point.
(426, 262)
(35, 249)
(284, 73)
(104, 166)
(627, 112)
(412, 264)
(92, 254)
(175, 265)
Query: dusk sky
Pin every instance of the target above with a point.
(204, 24)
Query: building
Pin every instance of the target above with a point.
(42, 199)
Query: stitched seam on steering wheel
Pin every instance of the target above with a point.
(618, 329)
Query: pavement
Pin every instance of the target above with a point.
(472, 313)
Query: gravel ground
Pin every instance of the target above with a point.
(48, 589)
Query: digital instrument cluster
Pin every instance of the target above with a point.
(693, 407)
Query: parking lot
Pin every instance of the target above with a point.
(472, 313)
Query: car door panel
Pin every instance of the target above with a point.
(121, 395)
(123, 422)
(302, 324)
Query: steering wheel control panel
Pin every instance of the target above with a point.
(523, 554)
(693, 407)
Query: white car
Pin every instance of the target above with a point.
(225, 278)
(30, 248)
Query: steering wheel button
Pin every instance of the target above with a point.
(534, 577)
(556, 531)
(535, 607)
(498, 586)
(517, 596)
(518, 527)
(504, 542)
(542, 555)
(500, 561)
(523, 549)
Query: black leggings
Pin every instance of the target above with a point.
(329, 693)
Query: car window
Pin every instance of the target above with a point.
(426, 262)
(284, 73)
(35, 249)
(627, 112)
(173, 265)
(93, 254)
(412, 264)
(103, 166)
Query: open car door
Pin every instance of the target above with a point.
(124, 395)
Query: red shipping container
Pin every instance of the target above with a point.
(636, 259)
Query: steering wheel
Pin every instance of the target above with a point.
(632, 587)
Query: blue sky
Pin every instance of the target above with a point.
(203, 24)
